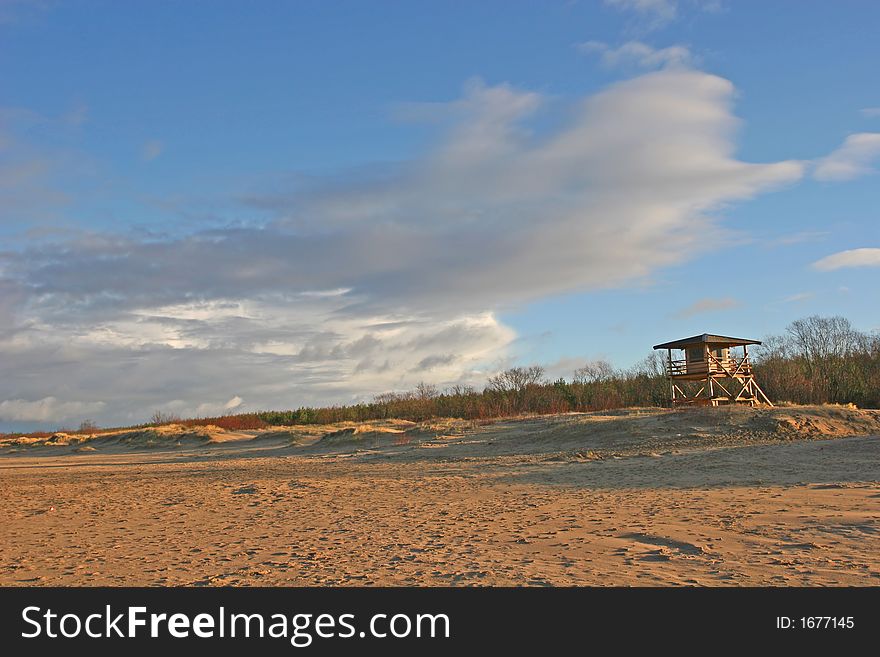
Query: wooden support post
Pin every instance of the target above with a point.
(761, 392)
(720, 385)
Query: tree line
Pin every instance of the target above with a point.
(816, 360)
(821, 360)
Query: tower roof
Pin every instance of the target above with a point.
(720, 340)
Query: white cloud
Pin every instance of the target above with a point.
(235, 402)
(283, 358)
(852, 159)
(867, 257)
(708, 305)
(48, 409)
(870, 112)
(377, 279)
(184, 408)
(636, 53)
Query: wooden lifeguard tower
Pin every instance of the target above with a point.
(708, 371)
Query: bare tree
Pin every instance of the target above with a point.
(386, 398)
(516, 379)
(158, 417)
(88, 426)
(594, 372)
(425, 391)
(772, 347)
(822, 338)
(654, 364)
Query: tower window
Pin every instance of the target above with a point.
(694, 355)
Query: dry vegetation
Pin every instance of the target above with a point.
(596, 435)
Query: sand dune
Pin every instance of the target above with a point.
(725, 496)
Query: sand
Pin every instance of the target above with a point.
(717, 497)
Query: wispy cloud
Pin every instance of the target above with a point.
(14, 11)
(707, 305)
(47, 409)
(364, 281)
(870, 112)
(796, 238)
(207, 409)
(30, 168)
(77, 116)
(867, 257)
(655, 13)
(637, 54)
(152, 149)
(852, 159)
(799, 296)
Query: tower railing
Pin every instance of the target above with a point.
(727, 366)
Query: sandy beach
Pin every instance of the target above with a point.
(715, 497)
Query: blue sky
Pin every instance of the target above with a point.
(230, 206)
